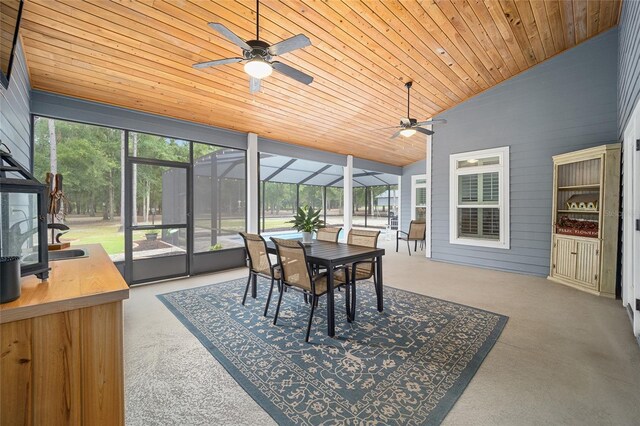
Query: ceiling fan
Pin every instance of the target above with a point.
(257, 55)
(409, 126)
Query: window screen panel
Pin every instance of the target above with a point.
(490, 187)
(468, 222)
(468, 188)
(491, 223)
(421, 196)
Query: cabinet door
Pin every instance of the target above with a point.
(564, 260)
(588, 262)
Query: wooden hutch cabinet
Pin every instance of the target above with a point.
(586, 188)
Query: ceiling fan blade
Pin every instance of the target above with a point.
(254, 84)
(387, 128)
(207, 64)
(423, 131)
(434, 121)
(229, 35)
(395, 135)
(296, 42)
(292, 72)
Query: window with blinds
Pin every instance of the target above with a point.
(479, 201)
(418, 197)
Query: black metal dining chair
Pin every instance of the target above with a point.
(259, 264)
(328, 234)
(417, 232)
(296, 274)
(362, 270)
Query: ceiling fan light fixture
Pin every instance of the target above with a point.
(258, 68)
(407, 132)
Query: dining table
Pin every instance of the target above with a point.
(330, 255)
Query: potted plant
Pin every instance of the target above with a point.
(151, 236)
(307, 220)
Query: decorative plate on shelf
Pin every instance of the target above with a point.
(583, 202)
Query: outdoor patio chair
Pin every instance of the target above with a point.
(417, 232)
(259, 264)
(328, 234)
(362, 270)
(325, 234)
(296, 274)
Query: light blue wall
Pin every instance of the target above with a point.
(564, 104)
(629, 62)
(628, 75)
(74, 109)
(15, 121)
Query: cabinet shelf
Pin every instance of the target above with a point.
(579, 211)
(580, 257)
(594, 186)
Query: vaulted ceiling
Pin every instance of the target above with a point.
(138, 54)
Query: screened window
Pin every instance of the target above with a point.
(334, 206)
(91, 162)
(480, 198)
(419, 197)
(219, 197)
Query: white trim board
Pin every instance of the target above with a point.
(503, 170)
(429, 217)
(631, 210)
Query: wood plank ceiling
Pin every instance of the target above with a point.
(138, 54)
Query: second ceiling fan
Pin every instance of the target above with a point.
(258, 55)
(409, 126)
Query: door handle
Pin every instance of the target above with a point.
(574, 252)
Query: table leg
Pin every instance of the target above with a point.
(254, 285)
(380, 283)
(331, 326)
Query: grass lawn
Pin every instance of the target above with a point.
(107, 232)
(103, 232)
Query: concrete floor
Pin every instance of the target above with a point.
(565, 357)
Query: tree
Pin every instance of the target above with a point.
(134, 181)
(53, 146)
(90, 182)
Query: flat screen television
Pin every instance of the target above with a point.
(10, 11)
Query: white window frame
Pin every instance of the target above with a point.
(414, 186)
(503, 175)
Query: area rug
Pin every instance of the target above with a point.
(406, 365)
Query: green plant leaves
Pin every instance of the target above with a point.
(307, 219)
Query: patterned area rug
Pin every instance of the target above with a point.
(406, 365)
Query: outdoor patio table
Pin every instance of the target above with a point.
(330, 255)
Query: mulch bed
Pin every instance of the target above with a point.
(142, 245)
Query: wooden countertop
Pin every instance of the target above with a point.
(72, 284)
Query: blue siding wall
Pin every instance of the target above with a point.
(15, 121)
(74, 109)
(629, 62)
(564, 104)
